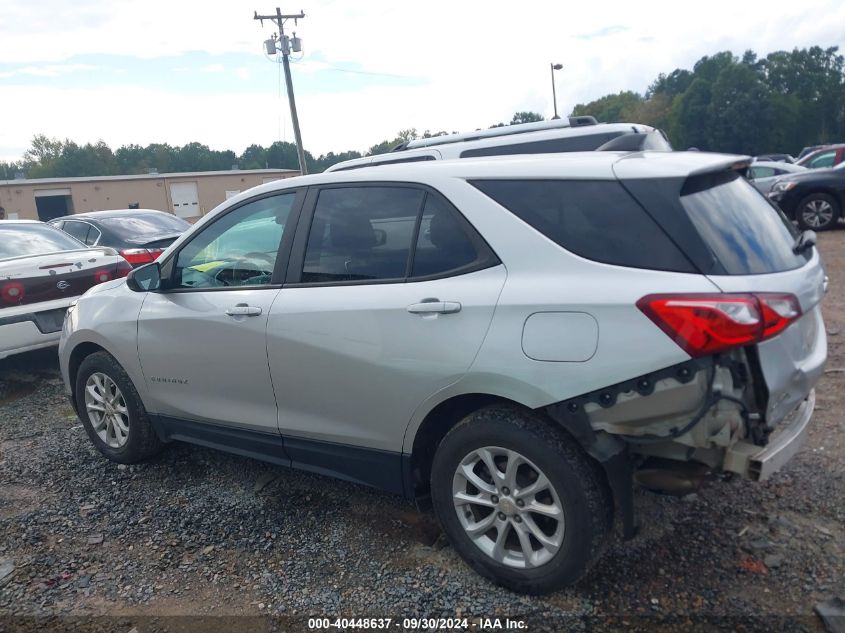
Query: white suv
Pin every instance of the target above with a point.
(576, 134)
(515, 338)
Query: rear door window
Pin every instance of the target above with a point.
(79, 230)
(596, 219)
(443, 244)
(361, 233)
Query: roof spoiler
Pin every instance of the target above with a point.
(637, 142)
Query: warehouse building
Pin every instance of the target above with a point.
(188, 195)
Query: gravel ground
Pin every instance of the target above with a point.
(86, 543)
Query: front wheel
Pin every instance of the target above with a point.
(519, 500)
(817, 212)
(111, 411)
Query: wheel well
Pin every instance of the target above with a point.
(79, 353)
(434, 428)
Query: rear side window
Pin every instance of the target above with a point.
(596, 219)
(744, 232)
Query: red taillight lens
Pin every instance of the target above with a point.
(138, 256)
(12, 292)
(101, 275)
(156, 252)
(703, 324)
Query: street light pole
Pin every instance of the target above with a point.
(552, 69)
(284, 48)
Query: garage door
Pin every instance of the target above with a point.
(185, 200)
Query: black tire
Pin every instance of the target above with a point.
(577, 479)
(142, 442)
(817, 199)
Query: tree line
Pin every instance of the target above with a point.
(54, 158)
(748, 105)
(779, 103)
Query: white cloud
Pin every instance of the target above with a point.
(213, 68)
(481, 61)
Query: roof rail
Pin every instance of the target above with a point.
(504, 130)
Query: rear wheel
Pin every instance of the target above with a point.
(111, 411)
(519, 500)
(817, 212)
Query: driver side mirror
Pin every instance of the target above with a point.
(145, 279)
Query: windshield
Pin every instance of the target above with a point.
(745, 233)
(17, 240)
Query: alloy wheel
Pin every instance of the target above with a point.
(107, 411)
(508, 507)
(817, 213)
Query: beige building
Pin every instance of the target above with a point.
(188, 195)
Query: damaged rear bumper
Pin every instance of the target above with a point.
(758, 464)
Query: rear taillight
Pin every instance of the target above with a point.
(101, 275)
(138, 256)
(12, 292)
(703, 324)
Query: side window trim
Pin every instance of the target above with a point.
(168, 266)
(487, 256)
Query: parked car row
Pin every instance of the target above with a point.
(507, 338)
(809, 190)
(45, 267)
(139, 235)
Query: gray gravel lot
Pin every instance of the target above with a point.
(200, 533)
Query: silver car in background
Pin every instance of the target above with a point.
(512, 340)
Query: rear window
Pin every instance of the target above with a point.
(143, 224)
(739, 226)
(596, 219)
(17, 240)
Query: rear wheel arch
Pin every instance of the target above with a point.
(434, 427)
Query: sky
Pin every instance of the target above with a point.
(178, 71)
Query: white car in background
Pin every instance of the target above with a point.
(763, 173)
(42, 271)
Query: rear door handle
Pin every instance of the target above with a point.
(243, 309)
(434, 306)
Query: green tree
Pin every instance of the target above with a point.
(611, 108)
(525, 117)
(385, 146)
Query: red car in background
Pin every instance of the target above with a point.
(828, 156)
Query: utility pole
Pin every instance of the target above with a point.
(284, 46)
(553, 67)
